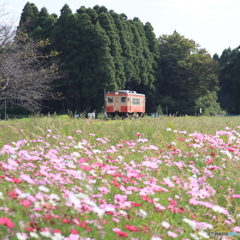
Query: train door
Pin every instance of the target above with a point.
(129, 104)
(116, 104)
(143, 103)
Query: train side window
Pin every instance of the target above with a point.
(123, 99)
(110, 99)
(136, 101)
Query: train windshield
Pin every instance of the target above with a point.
(123, 99)
(110, 99)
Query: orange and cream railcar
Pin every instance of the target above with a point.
(124, 103)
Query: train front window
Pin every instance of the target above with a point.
(110, 99)
(136, 101)
(123, 99)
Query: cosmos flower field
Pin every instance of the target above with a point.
(86, 184)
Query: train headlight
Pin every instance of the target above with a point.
(116, 93)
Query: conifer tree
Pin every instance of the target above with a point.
(29, 17)
(107, 23)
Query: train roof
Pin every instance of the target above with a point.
(128, 92)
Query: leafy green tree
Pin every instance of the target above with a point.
(189, 73)
(226, 95)
(236, 84)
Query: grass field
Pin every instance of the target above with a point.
(153, 178)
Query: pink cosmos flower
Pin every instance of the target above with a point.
(103, 190)
(236, 196)
(150, 164)
(172, 234)
(236, 229)
(27, 178)
(122, 234)
(20, 143)
(115, 220)
(6, 222)
(118, 198)
(132, 228)
(25, 203)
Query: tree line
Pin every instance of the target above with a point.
(101, 50)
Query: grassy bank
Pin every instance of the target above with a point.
(153, 128)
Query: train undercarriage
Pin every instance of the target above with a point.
(125, 115)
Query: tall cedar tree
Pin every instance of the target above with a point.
(107, 23)
(28, 17)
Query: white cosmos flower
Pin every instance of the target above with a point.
(80, 145)
(218, 209)
(43, 189)
(57, 236)
(34, 235)
(82, 196)
(73, 199)
(142, 213)
(100, 212)
(23, 195)
(75, 155)
(54, 196)
(123, 213)
(194, 236)
(156, 238)
(191, 223)
(21, 236)
(109, 209)
(165, 224)
(46, 234)
(90, 203)
(96, 151)
(203, 234)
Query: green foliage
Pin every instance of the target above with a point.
(101, 49)
(236, 83)
(227, 57)
(106, 22)
(28, 17)
(229, 89)
(159, 110)
(188, 73)
(209, 104)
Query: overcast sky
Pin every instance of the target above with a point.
(214, 24)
